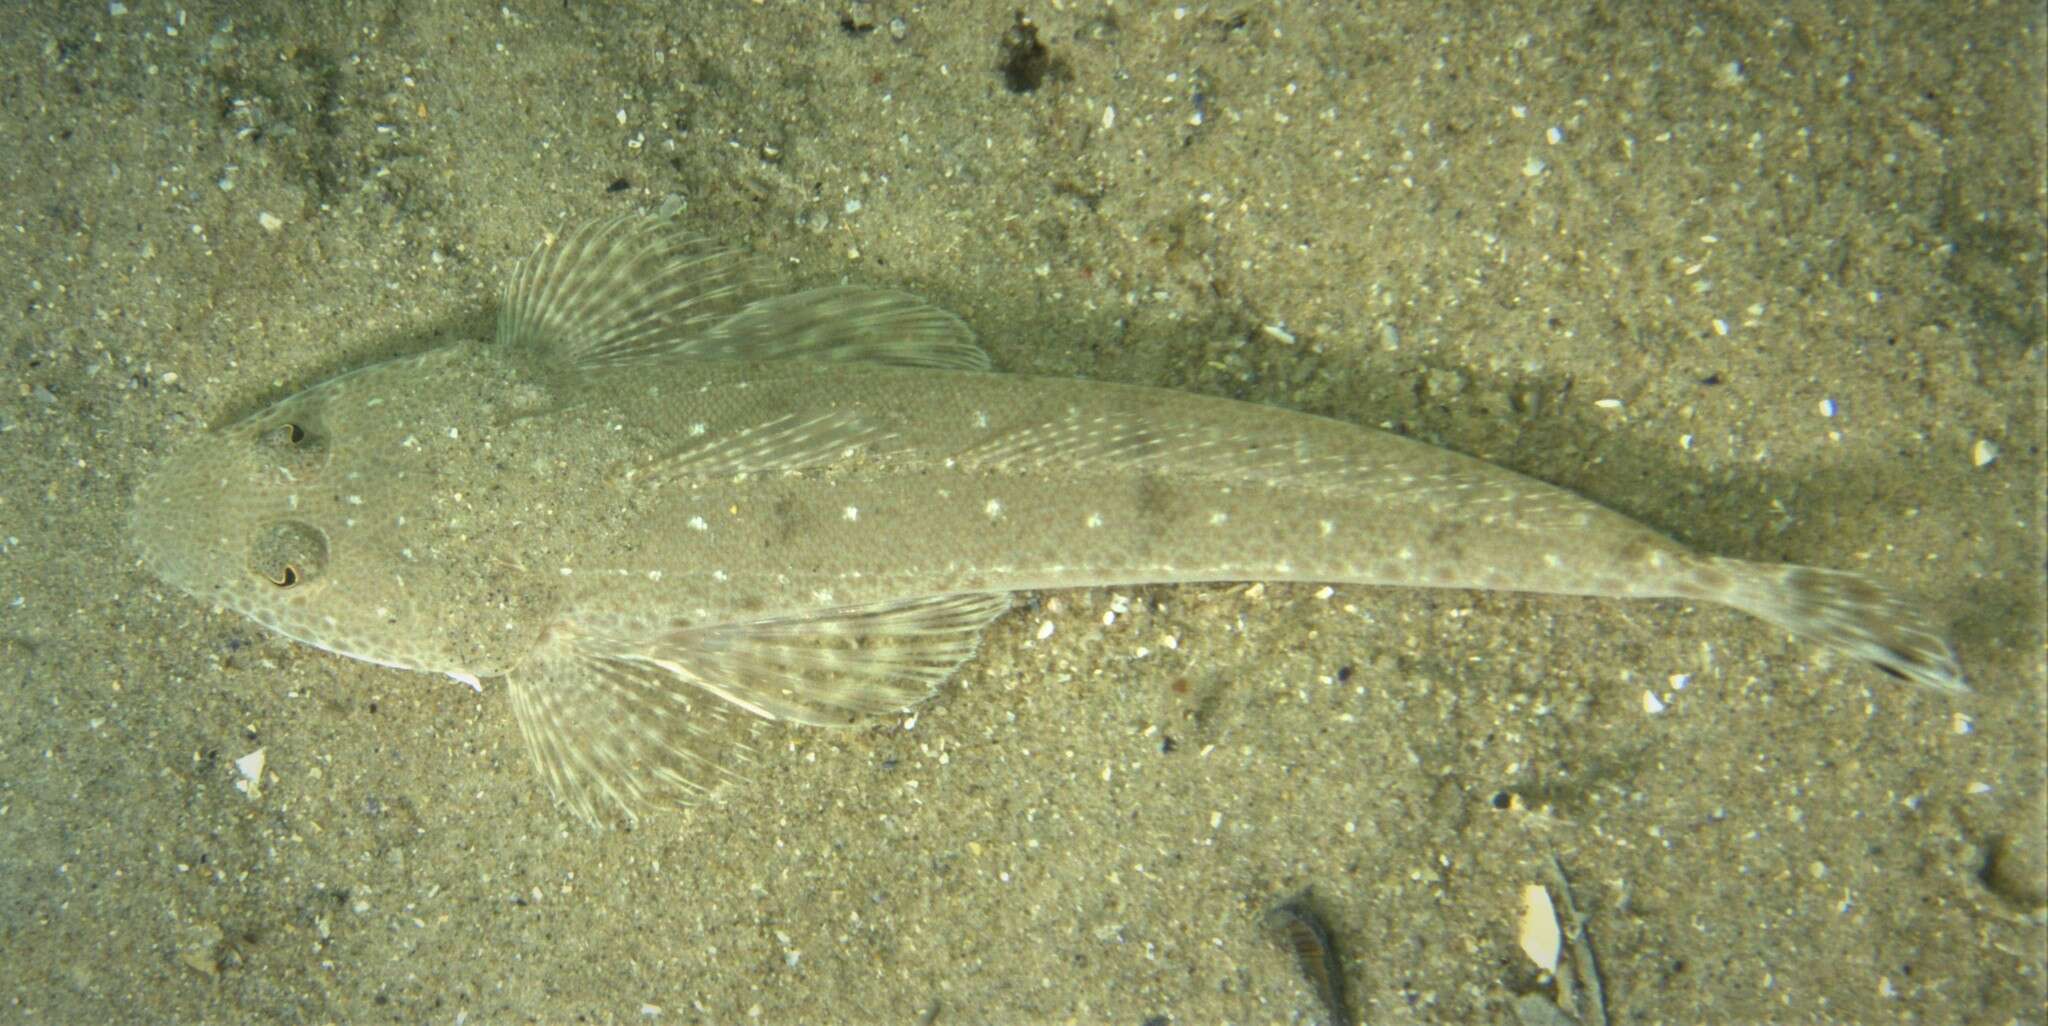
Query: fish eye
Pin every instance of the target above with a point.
(289, 435)
(295, 445)
(288, 554)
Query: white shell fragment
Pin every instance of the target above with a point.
(250, 766)
(1540, 938)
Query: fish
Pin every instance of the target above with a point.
(674, 498)
(1302, 930)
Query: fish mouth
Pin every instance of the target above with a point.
(178, 521)
(152, 514)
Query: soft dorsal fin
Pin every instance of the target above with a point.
(640, 288)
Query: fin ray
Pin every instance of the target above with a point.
(626, 289)
(846, 323)
(618, 712)
(637, 288)
(1848, 613)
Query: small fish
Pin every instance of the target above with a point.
(1298, 926)
(672, 493)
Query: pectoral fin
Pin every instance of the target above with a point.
(619, 711)
(639, 289)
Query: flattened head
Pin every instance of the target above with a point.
(310, 518)
(230, 517)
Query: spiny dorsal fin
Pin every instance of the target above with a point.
(639, 288)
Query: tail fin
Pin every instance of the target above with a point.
(1847, 613)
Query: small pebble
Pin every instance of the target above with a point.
(1538, 932)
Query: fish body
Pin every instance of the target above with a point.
(670, 494)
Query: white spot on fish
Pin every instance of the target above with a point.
(698, 524)
(994, 509)
(852, 514)
(1094, 520)
(1326, 527)
(698, 429)
(654, 575)
(1218, 519)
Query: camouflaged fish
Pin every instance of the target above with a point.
(671, 494)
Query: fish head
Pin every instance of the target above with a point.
(323, 517)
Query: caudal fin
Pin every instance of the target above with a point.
(1848, 613)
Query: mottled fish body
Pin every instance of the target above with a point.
(668, 492)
